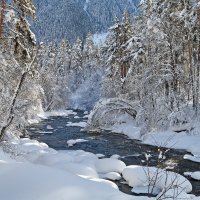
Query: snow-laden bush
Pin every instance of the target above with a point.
(178, 118)
(109, 112)
(153, 115)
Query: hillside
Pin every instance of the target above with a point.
(72, 19)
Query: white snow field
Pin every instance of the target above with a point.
(33, 171)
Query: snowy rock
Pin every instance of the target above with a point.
(24, 146)
(73, 142)
(78, 124)
(106, 182)
(146, 190)
(187, 173)
(194, 149)
(194, 175)
(138, 176)
(173, 194)
(99, 155)
(192, 158)
(49, 127)
(111, 175)
(107, 165)
(45, 132)
(115, 156)
(85, 116)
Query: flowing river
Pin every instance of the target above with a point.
(54, 132)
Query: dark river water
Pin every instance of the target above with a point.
(132, 152)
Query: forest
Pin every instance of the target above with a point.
(111, 115)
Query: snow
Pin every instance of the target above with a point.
(78, 124)
(100, 155)
(128, 129)
(125, 124)
(167, 139)
(107, 165)
(26, 146)
(9, 15)
(34, 121)
(115, 156)
(37, 182)
(36, 172)
(139, 176)
(110, 114)
(85, 116)
(41, 173)
(111, 175)
(170, 139)
(107, 182)
(55, 113)
(100, 38)
(4, 158)
(49, 127)
(194, 175)
(73, 142)
(174, 194)
(45, 132)
(192, 158)
(146, 190)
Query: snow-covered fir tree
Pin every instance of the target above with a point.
(20, 93)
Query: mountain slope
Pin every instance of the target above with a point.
(57, 19)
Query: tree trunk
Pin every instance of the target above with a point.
(12, 105)
(2, 9)
(10, 115)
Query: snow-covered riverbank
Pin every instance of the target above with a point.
(37, 172)
(34, 171)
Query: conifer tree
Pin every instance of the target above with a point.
(17, 53)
